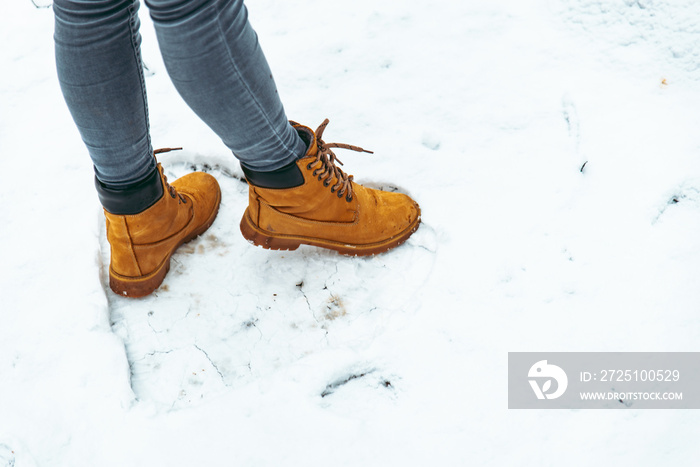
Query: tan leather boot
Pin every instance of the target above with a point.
(142, 244)
(327, 209)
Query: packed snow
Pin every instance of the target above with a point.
(553, 148)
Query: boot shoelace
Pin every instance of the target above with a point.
(173, 192)
(328, 168)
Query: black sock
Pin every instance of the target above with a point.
(288, 176)
(131, 199)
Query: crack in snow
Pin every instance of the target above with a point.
(221, 375)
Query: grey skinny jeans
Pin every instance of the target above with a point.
(214, 59)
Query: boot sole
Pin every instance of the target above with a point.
(136, 287)
(274, 241)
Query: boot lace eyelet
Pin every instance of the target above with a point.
(326, 167)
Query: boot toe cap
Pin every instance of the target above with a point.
(388, 214)
(406, 212)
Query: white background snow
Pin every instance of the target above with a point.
(485, 112)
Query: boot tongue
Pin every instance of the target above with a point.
(313, 149)
(309, 138)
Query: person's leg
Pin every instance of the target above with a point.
(99, 68)
(214, 59)
(100, 71)
(297, 194)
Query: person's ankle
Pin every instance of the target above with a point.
(131, 199)
(288, 176)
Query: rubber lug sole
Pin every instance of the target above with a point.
(273, 241)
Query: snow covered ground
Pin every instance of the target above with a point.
(553, 147)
